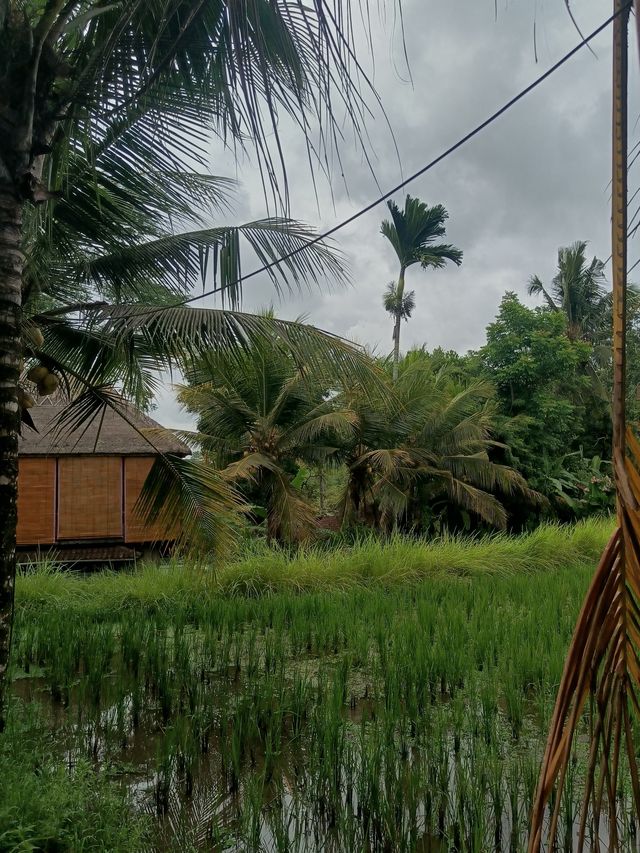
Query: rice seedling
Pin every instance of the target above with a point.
(354, 709)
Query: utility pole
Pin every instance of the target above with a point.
(619, 220)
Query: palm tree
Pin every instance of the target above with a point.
(107, 346)
(107, 311)
(106, 112)
(577, 290)
(425, 447)
(412, 233)
(259, 417)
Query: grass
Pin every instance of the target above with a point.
(385, 696)
(399, 561)
(46, 806)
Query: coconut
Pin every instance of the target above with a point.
(25, 400)
(48, 385)
(37, 373)
(37, 338)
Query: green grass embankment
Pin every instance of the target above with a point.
(398, 561)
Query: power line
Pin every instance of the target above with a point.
(472, 133)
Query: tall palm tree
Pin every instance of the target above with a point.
(259, 416)
(577, 289)
(412, 232)
(99, 98)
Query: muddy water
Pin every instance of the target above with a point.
(199, 808)
(335, 784)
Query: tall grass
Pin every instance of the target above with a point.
(398, 561)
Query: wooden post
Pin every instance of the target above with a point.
(619, 220)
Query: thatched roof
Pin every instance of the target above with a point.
(108, 435)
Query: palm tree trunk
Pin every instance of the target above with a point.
(321, 487)
(396, 326)
(11, 267)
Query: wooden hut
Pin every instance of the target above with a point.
(77, 489)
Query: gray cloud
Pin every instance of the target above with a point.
(535, 180)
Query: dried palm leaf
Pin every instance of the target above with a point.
(602, 665)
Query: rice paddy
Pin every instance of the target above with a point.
(378, 698)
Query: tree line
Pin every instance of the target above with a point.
(500, 438)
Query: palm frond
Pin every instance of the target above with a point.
(194, 502)
(436, 257)
(83, 410)
(152, 81)
(388, 462)
(578, 290)
(491, 477)
(250, 466)
(413, 231)
(184, 333)
(341, 423)
(192, 438)
(88, 354)
(535, 287)
(602, 666)
(176, 263)
(289, 515)
(392, 499)
(475, 500)
(396, 305)
(224, 420)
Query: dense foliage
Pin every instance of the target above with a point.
(415, 452)
(504, 437)
(261, 416)
(554, 412)
(551, 367)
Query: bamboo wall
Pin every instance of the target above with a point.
(90, 498)
(82, 498)
(36, 501)
(136, 530)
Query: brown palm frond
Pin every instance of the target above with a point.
(602, 663)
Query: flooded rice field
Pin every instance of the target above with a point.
(366, 720)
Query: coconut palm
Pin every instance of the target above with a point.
(259, 416)
(85, 304)
(92, 354)
(428, 447)
(412, 232)
(577, 289)
(108, 313)
(105, 116)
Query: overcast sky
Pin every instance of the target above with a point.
(535, 180)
